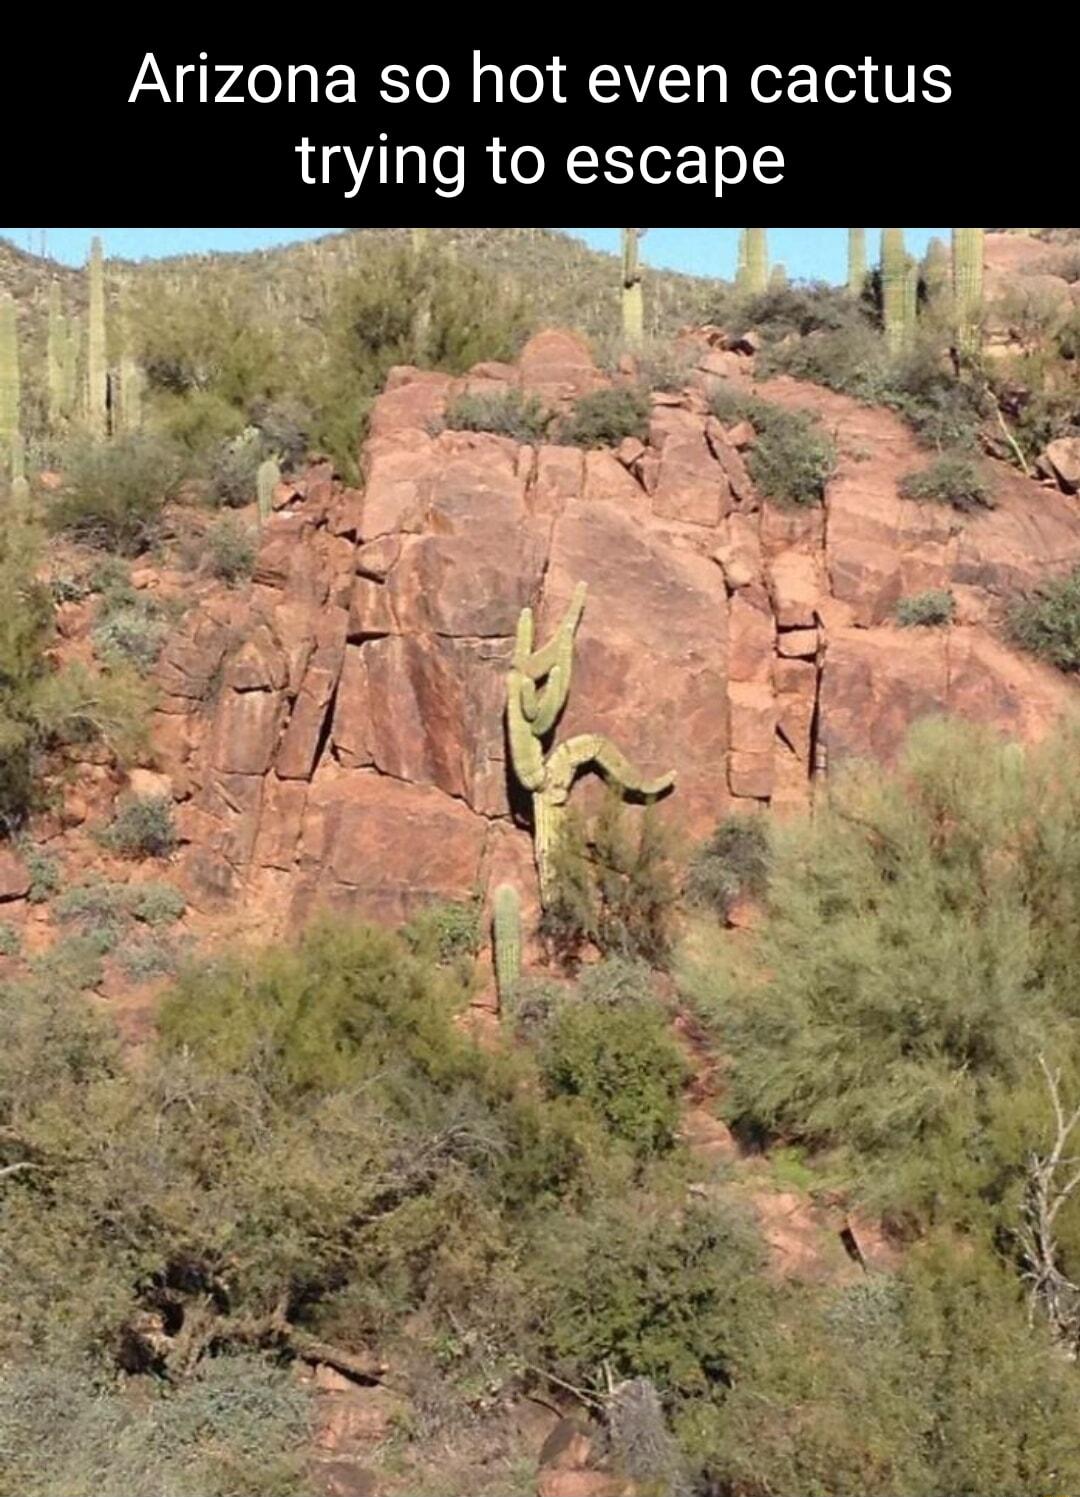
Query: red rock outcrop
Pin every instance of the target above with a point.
(338, 731)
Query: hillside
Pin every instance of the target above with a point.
(563, 281)
(541, 958)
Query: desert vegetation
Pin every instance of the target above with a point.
(519, 1155)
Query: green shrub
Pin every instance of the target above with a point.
(97, 909)
(342, 1006)
(622, 1061)
(604, 418)
(155, 903)
(792, 459)
(506, 412)
(144, 959)
(644, 1291)
(612, 885)
(113, 493)
(229, 551)
(73, 964)
(733, 864)
(77, 705)
(926, 610)
(915, 959)
(10, 940)
(952, 479)
(134, 633)
(446, 931)
(232, 468)
(617, 981)
(1047, 621)
(142, 828)
(44, 871)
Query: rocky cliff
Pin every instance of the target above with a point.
(336, 734)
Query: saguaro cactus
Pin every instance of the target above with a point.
(757, 261)
(54, 357)
(97, 363)
(20, 488)
(9, 373)
(967, 280)
(856, 261)
(740, 262)
(778, 277)
(894, 289)
(267, 479)
(937, 273)
(506, 938)
(633, 305)
(537, 688)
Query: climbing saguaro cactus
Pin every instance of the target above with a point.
(267, 479)
(97, 363)
(757, 261)
(894, 289)
(633, 305)
(506, 939)
(967, 284)
(537, 688)
(10, 388)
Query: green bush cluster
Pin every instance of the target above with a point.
(142, 828)
(792, 458)
(732, 864)
(926, 610)
(507, 412)
(604, 418)
(953, 478)
(1047, 621)
(613, 886)
(42, 707)
(113, 493)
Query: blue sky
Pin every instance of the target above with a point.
(809, 254)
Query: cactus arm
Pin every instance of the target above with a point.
(559, 649)
(594, 748)
(548, 703)
(526, 755)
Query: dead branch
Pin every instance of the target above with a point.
(1049, 1288)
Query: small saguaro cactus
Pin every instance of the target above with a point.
(856, 261)
(97, 360)
(56, 346)
(740, 262)
(9, 373)
(757, 261)
(778, 277)
(537, 688)
(633, 306)
(267, 479)
(894, 289)
(20, 488)
(967, 282)
(506, 939)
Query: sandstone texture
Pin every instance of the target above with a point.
(337, 728)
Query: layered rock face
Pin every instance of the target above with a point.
(337, 734)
